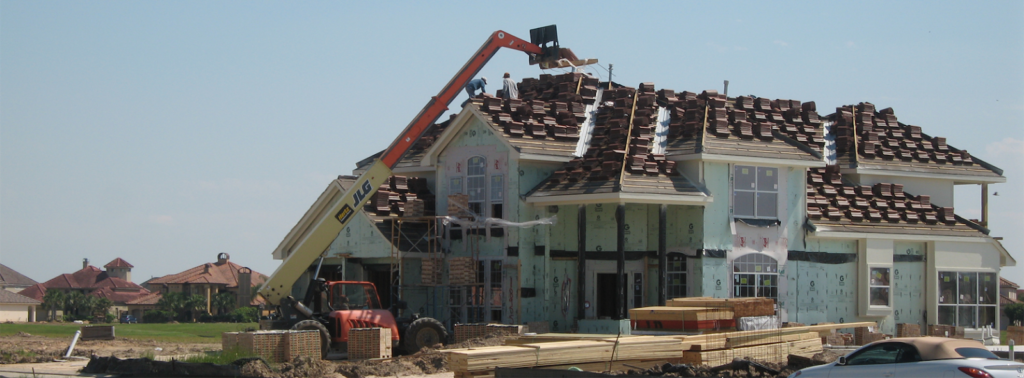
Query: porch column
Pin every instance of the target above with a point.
(620, 266)
(581, 261)
(662, 254)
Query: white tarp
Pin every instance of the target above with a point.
(757, 323)
(661, 131)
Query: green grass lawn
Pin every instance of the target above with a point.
(180, 333)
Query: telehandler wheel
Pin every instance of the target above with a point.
(423, 332)
(313, 325)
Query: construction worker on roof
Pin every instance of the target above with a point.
(473, 85)
(509, 89)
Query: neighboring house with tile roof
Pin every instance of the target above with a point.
(680, 194)
(113, 283)
(17, 308)
(1007, 295)
(208, 280)
(13, 281)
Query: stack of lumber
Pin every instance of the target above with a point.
(741, 307)
(602, 353)
(461, 271)
(682, 318)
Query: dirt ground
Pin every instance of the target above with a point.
(26, 348)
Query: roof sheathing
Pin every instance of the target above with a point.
(883, 143)
(836, 206)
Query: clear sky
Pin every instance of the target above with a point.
(167, 132)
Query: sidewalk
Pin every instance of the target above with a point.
(68, 368)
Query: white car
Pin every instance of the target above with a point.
(930, 357)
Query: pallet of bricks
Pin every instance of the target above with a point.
(942, 330)
(430, 271)
(274, 346)
(461, 271)
(700, 313)
(611, 353)
(369, 343)
(471, 331)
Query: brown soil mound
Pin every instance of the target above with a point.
(26, 348)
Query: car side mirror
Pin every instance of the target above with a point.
(841, 361)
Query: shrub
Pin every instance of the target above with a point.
(157, 316)
(245, 315)
(1014, 311)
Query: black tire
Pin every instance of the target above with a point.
(422, 333)
(313, 325)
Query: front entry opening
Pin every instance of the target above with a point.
(605, 295)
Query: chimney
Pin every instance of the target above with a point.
(223, 257)
(85, 263)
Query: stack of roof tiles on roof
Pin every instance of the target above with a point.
(883, 208)
(546, 118)
(884, 143)
(743, 126)
(620, 147)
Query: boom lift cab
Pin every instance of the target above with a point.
(333, 308)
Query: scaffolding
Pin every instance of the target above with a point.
(417, 235)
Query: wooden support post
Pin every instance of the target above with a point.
(581, 262)
(620, 266)
(662, 254)
(984, 205)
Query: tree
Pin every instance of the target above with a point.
(53, 300)
(173, 302)
(195, 304)
(1014, 311)
(224, 302)
(101, 306)
(73, 301)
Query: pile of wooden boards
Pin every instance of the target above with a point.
(470, 331)
(700, 313)
(602, 353)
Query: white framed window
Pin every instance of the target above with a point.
(755, 275)
(755, 192)
(879, 285)
(476, 184)
(968, 299)
(455, 185)
(676, 272)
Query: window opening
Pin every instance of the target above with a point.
(756, 275)
(755, 192)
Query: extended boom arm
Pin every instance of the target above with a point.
(326, 229)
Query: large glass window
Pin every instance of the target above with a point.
(755, 192)
(755, 275)
(476, 184)
(676, 272)
(968, 299)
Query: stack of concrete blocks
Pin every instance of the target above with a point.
(470, 331)
(908, 330)
(369, 343)
(430, 271)
(839, 339)
(461, 271)
(942, 330)
(864, 336)
(274, 346)
(458, 206)
(1015, 333)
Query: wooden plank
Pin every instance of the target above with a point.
(680, 313)
(751, 340)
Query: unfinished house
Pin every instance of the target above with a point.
(583, 199)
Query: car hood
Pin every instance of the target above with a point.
(815, 371)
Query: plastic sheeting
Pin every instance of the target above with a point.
(587, 130)
(661, 131)
(757, 323)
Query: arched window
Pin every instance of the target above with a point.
(476, 183)
(755, 275)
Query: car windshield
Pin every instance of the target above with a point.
(976, 353)
(354, 297)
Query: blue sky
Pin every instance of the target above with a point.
(167, 132)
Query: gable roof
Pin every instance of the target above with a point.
(836, 205)
(866, 139)
(223, 272)
(1003, 282)
(118, 263)
(36, 292)
(118, 296)
(7, 297)
(11, 277)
